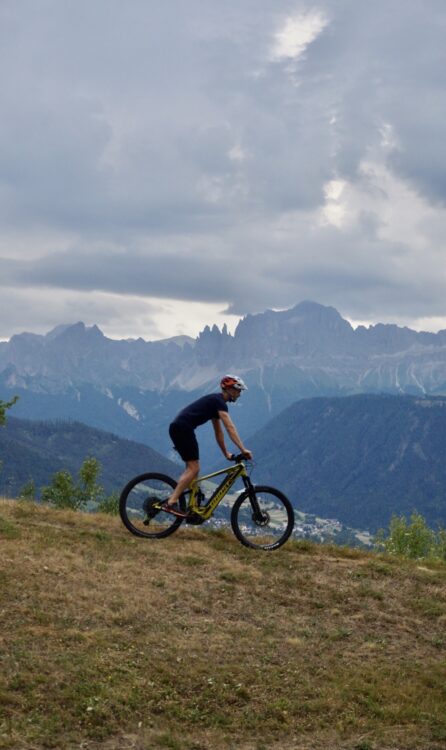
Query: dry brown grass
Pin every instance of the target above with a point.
(196, 643)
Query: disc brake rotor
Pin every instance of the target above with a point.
(262, 520)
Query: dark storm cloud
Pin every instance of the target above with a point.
(123, 273)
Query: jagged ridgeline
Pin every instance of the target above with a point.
(133, 387)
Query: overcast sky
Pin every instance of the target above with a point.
(164, 165)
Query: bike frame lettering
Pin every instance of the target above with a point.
(206, 511)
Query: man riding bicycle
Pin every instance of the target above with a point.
(212, 407)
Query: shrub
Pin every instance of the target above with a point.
(412, 539)
(4, 405)
(28, 491)
(64, 492)
(109, 504)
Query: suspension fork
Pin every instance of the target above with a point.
(257, 513)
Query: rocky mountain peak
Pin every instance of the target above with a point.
(73, 331)
(308, 329)
(308, 349)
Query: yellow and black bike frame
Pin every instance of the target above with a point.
(231, 475)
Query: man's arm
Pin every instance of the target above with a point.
(233, 434)
(220, 438)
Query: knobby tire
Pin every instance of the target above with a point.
(257, 536)
(131, 506)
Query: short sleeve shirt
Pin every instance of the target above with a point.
(202, 410)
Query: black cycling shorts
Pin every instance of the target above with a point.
(184, 441)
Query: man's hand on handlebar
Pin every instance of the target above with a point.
(247, 455)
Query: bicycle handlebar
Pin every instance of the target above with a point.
(237, 458)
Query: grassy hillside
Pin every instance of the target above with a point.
(197, 643)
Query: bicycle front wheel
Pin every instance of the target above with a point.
(136, 506)
(262, 518)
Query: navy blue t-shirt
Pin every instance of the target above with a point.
(202, 410)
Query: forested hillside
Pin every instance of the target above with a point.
(359, 459)
(35, 450)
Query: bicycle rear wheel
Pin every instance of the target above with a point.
(136, 506)
(263, 519)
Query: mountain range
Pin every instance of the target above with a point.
(134, 387)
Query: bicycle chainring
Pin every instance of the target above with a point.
(194, 519)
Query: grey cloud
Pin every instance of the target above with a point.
(387, 60)
(354, 271)
(163, 275)
(36, 311)
(141, 118)
(167, 147)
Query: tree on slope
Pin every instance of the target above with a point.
(4, 405)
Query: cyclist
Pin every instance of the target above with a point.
(182, 431)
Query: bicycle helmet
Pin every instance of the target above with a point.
(233, 381)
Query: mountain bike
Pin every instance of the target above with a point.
(261, 517)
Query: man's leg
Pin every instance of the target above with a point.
(189, 474)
